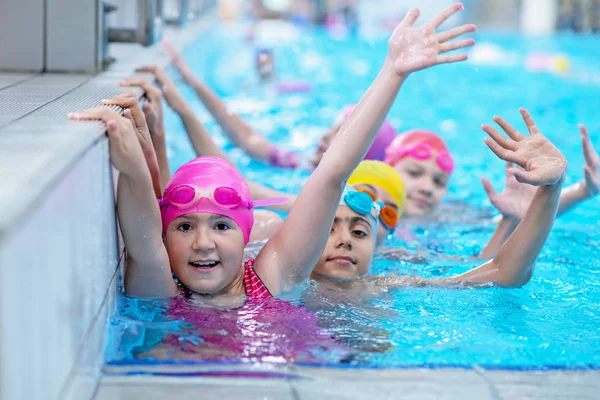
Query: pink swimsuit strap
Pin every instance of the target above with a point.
(255, 288)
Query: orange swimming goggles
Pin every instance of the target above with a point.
(389, 216)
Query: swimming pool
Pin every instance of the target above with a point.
(553, 322)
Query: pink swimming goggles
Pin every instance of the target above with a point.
(424, 151)
(185, 195)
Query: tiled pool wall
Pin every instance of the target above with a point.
(59, 245)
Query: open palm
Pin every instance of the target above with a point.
(542, 164)
(412, 49)
(514, 200)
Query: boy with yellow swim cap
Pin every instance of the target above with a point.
(384, 185)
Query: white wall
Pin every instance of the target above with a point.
(56, 278)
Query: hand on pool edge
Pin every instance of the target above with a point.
(124, 147)
(132, 110)
(542, 163)
(412, 49)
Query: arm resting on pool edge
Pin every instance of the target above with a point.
(288, 258)
(148, 272)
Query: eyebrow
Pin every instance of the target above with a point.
(353, 220)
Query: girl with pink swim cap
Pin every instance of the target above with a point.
(205, 216)
(423, 160)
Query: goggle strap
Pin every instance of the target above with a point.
(269, 202)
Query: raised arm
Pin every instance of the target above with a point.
(543, 165)
(238, 131)
(148, 272)
(516, 197)
(590, 185)
(287, 259)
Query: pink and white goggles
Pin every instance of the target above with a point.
(424, 151)
(186, 195)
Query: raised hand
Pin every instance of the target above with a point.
(412, 49)
(591, 169)
(514, 200)
(542, 163)
(179, 63)
(132, 111)
(169, 89)
(125, 150)
(153, 110)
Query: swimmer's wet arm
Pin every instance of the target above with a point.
(238, 131)
(289, 257)
(543, 166)
(147, 273)
(590, 185)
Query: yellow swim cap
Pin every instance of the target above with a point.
(372, 172)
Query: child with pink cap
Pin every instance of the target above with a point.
(424, 162)
(202, 223)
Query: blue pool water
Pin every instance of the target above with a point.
(553, 322)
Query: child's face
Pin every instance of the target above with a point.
(205, 251)
(383, 196)
(350, 246)
(426, 184)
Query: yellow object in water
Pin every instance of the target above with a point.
(560, 64)
(372, 172)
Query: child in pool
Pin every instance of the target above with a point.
(205, 226)
(541, 164)
(255, 144)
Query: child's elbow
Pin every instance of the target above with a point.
(515, 281)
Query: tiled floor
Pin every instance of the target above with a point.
(319, 383)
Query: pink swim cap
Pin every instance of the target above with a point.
(210, 185)
(406, 144)
(385, 136)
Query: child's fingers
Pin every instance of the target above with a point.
(531, 127)
(589, 153)
(455, 45)
(130, 103)
(447, 13)
(508, 128)
(455, 32)
(499, 151)
(411, 17)
(509, 165)
(452, 58)
(489, 189)
(523, 176)
(101, 113)
(499, 138)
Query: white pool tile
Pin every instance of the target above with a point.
(161, 388)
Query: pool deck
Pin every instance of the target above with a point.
(293, 382)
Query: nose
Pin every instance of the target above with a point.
(344, 239)
(425, 188)
(202, 242)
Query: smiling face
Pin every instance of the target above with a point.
(205, 251)
(350, 246)
(383, 196)
(426, 184)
